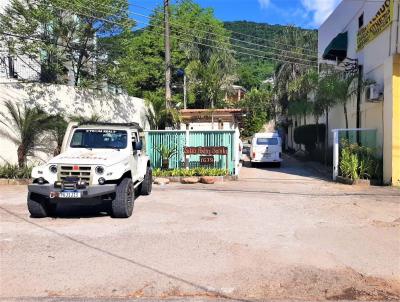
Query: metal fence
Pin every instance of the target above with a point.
(179, 139)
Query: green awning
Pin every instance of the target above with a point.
(337, 49)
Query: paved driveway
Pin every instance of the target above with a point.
(274, 234)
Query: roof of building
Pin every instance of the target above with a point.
(205, 115)
(226, 110)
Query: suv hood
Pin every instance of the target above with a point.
(90, 157)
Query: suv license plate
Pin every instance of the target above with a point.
(69, 195)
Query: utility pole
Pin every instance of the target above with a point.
(184, 91)
(168, 94)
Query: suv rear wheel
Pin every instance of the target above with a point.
(122, 205)
(147, 184)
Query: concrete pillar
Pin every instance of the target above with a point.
(396, 122)
(391, 111)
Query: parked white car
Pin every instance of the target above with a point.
(99, 163)
(266, 148)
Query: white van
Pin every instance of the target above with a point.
(266, 148)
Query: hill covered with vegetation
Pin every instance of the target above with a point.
(266, 40)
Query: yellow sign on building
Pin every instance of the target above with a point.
(377, 25)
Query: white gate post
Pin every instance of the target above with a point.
(187, 133)
(335, 153)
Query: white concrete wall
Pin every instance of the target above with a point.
(68, 101)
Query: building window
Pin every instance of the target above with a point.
(361, 21)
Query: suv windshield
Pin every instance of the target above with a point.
(99, 139)
(267, 141)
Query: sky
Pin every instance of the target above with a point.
(303, 13)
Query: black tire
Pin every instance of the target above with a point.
(122, 205)
(252, 164)
(147, 184)
(39, 207)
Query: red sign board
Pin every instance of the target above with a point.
(205, 150)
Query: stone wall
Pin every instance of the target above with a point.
(68, 101)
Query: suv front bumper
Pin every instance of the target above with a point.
(89, 192)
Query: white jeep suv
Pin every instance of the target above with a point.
(99, 163)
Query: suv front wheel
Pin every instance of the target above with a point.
(122, 205)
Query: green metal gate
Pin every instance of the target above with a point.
(179, 139)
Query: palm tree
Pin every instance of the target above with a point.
(157, 115)
(82, 119)
(57, 131)
(209, 79)
(344, 86)
(325, 100)
(289, 72)
(25, 125)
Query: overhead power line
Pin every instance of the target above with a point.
(290, 52)
(234, 39)
(308, 61)
(247, 35)
(188, 41)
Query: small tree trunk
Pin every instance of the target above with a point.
(21, 154)
(317, 131)
(345, 116)
(57, 150)
(326, 134)
(346, 120)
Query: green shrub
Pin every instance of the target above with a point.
(349, 164)
(307, 135)
(14, 171)
(359, 162)
(182, 172)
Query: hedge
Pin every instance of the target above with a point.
(307, 135)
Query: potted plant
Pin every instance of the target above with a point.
(166, 153)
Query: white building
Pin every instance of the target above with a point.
(366, 34)
(13, 67)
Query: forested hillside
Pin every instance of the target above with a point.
(275, 39)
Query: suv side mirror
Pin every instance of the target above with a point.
(137, 146)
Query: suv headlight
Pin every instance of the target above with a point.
(99, 170)
(53, 169)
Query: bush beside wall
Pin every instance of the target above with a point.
(307, 135)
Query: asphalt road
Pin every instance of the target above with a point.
(276, 234)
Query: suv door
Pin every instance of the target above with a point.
(134, 159)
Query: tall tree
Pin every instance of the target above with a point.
(258, 107)
(345, 86)
(325, 100)
(199, 45)
(290, 70)
(61, 36)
